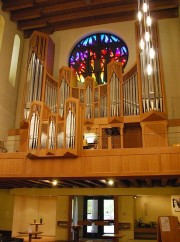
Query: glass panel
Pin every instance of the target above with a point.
(92, 54)
(109, 214)
(92, 214)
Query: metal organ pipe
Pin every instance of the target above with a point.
(114, 95)
(34, 130)
(34, 82)
(71, 126)
(51, 94)
(52, 135)
(131, 98)
(88, 112)
(64, 94)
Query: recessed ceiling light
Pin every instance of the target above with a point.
(110, 182)
(54, 182)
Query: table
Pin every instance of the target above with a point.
(114, 237)
(35, 233)
(36, 228)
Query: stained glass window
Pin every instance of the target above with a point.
(92, 54)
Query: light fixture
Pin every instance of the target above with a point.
(148, 59)
(110, 182)
(54, 182)
(145, 44)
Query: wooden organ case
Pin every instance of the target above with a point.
(59, 116)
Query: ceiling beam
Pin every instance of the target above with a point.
(164, 182)
(121, 183)
(95, 183)
(24, 15)
(149, 182)
(89, 13)
(32, 24)
(9, 5)
(177, 182)
(134, 182)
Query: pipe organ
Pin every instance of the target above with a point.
(41, 50)
(57, 113)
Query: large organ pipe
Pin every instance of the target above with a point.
(130, 93)
(52, 134)
(34, 130)
(51, 93)
(71, 125)
(64, 94)
(60, 135)
(88, 112)
(114, 95)
(68, 126)
(34, 82)
(40, 83)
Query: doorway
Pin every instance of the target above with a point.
(99, 211)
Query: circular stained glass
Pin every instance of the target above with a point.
(92, 54)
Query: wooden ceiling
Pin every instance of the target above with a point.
(130, 182)
(52, 15)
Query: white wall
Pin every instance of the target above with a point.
(169, 34)
(62, 215)
(150, 207)
(126, 215)
(27, 208)
(6, 209)
(8, 93)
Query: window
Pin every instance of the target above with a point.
(92, 54)
(2, 24)
(14, 60)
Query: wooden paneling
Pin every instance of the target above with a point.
(154, 133)
(141, 163)
(170, 162)
(132, 136)
(95, 163)
(12, 165)
(173, 122)
(98, 166)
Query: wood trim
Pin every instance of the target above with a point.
(129, 162)
(173, 122)
(13, 132)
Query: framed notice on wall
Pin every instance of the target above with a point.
(175, 203)
(165, 226)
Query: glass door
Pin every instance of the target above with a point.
(99, 212)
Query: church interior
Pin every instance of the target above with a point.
(90, 120)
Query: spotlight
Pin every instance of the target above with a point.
(110, 182)
(54, 182)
